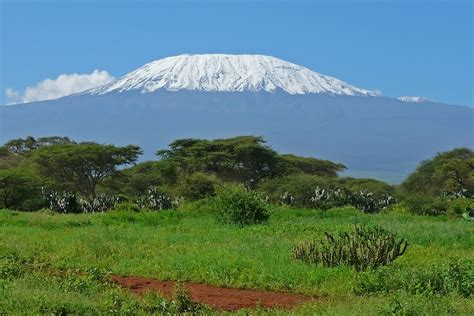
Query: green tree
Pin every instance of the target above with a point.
(447, 172)
(137, 179)
(290, 164)
(377, 187)
(24, 146)
(83, 166)
(20, 190)
(244, 159)
(197, 186)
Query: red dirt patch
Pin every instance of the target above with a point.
(219, 298)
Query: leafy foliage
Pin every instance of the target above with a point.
(448, 173)
(299, 186)
(25, 146)
(364, 248)
(426, 205)
(460, 206)
(303, 190)
(20, 190)
(83, 166)
(235, 204)
(198, 186)
(244, 159)
(137, 179)
(438, 183)
(290, 164)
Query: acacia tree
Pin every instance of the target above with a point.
(83, 166)
(24, 146)
(317, 167)
(244, 158)
(451, 171)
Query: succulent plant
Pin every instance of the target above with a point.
(364, 248)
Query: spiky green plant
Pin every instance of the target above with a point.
(363, 248)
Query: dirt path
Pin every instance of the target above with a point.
(219, 298)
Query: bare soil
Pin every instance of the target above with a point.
(219, 298)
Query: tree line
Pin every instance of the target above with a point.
(192, 168)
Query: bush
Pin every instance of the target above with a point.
(362, 200)
(234, 204)
(20, 190)
(378, 188)
(326, 199)
(420, 204)
(459, 206)
(364, 248)
(304, 190)
(198, 186)
(300, 187)
(454, 277)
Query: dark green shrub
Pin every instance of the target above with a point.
(454, 277)
(377, 187)
(198, 186)
(235, 204)
(364, 248)
(326, 199)
(447, 172)
(299, 186)
(20, 190)
(362, 200)
(459, 206)
(426, 205)
(303, 190)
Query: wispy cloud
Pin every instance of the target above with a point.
(63, 85)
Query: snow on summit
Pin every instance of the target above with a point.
(220, 72)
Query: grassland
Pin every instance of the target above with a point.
(188, 245)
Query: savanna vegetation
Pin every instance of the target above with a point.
(234, 213)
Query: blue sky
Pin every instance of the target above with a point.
(421, 48)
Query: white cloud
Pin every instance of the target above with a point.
(63, 85)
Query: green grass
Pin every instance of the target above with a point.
(191, 246)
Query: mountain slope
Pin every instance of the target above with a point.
(219, 72)
(296, 110)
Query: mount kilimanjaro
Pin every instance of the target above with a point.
(215, 96)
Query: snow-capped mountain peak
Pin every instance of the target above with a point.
(411, 99)
(221, 72)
